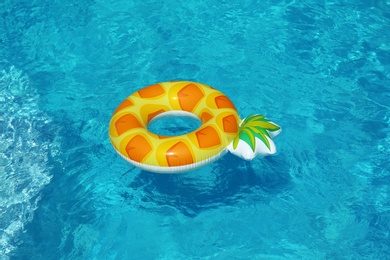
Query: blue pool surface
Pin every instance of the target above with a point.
(320, 69)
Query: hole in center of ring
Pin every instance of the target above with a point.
(174, 123)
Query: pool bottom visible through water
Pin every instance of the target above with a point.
(174, 124)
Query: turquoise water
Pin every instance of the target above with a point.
(319, 69)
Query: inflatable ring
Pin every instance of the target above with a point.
(221, 128)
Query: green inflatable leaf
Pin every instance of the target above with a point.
(255, 126)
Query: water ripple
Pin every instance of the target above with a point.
(24, 156)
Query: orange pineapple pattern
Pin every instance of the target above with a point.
(129, 134)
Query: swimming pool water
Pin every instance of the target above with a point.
(320, 69)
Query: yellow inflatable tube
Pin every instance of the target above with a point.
(220, 129)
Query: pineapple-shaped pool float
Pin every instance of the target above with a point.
(221, 128)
